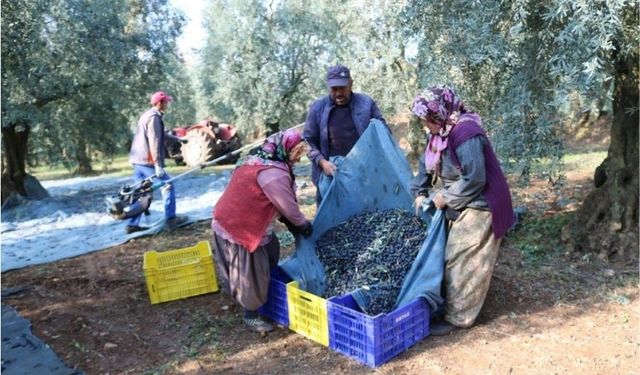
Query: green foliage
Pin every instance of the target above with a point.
(518, 62)
(78, 73)
(261, 61)
(205, 332)
(264, 63)
(285, 238)
(117, 165)
(539, 237)
(376, 52)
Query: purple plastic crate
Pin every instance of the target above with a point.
(276, 307)
(375, 340)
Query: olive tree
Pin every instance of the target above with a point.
(75, 75)
(518, 62)
(264, 62)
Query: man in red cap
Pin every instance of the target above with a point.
(147, 158)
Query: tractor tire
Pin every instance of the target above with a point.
(199, 149)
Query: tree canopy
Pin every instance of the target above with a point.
(77, 73)
(519, 62)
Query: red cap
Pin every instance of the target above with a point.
(160, 96)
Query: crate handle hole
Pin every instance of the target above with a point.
(350, 315)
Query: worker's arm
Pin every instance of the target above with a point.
(276, 185)
(421, 185)
(311, 134)
(375, 113)
(421, 182)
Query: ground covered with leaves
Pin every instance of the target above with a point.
(547, 311)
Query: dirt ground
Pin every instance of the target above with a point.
(569, 313)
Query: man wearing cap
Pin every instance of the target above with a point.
(336, 121)
(147, 158)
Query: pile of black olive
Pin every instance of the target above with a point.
(373, 251)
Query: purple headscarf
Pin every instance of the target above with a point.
(279, 145)
(439, 105)
(276, 148)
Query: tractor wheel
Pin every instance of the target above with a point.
(199, 149)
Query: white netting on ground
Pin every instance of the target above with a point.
(74, 220)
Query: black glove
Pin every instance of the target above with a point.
(305, 230)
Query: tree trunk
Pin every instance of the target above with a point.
(273, 127)
(416, 137)
(607, 222)
(83, 159)
(15, 139)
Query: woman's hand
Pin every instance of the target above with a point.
(327, 167)
(439, 201)
(417, 203)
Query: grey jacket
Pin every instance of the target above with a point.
(147, 147)
(316, 132)
(461, 187)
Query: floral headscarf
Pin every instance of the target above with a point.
(276, 148)
(440, 105)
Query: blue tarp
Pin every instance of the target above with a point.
(24, 353)
(374, 176)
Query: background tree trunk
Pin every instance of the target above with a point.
(272, 127)
(607, 222)
(15, 152)
(83, 158)
(15, 179)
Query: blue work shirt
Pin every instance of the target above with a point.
(316, 129)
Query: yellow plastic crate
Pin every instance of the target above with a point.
(307, 314)
(181, 273)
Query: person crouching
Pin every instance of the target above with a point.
(261, 188)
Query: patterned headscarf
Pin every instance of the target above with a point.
(276, 148)
(440, 105)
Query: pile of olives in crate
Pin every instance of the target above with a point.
(373, 251)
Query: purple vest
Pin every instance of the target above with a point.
(496, 190)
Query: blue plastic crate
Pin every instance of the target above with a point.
(375, 340)
(277, 308)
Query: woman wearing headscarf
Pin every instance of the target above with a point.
(461, 174)
(261, 188)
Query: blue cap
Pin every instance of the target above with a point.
(338, 75)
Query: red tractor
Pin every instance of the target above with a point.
(202, 142)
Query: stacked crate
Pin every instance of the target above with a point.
(342, 326)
